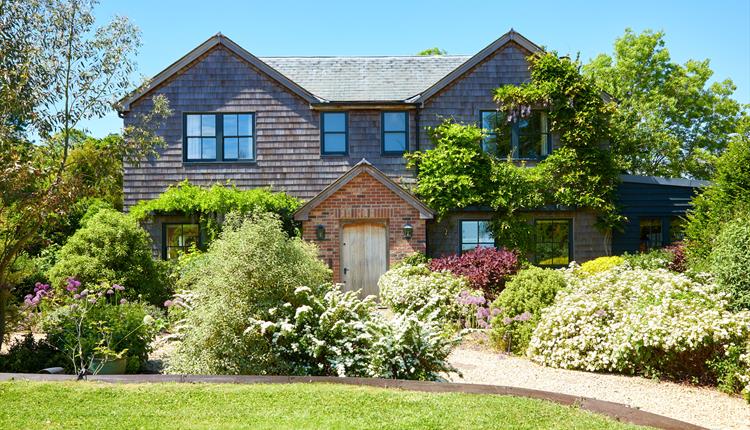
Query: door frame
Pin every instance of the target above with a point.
(352, 221)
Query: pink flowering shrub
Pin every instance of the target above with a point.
(487, 269)
(679, 257)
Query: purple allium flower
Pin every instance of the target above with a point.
(118, 287)
(92, 300)
(483, 313)
(73, 285)
(110, 292)
(123, 301)
(84, 293)
(168, 303)
(507, 320)
(495, 312)
(77, 296)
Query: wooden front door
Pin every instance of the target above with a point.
(363, 256)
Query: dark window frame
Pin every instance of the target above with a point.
(515, 137)
(569, 222)
(461, 234)
(659, 223)
(323, 133)
(219, 136)
(164, 243)
(405, 132)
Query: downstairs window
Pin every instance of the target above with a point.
(179, 238)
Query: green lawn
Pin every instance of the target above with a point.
(87, 405)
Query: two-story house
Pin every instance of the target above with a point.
(333, 131)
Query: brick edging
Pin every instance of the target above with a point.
(617, 411)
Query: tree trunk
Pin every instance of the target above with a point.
(4, 299)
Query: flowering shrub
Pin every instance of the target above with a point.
(412, 259)
(730, 260)
(329, 332)
(637, 321)
(678, 262)
(253, 266)
(599, 265)
(96, 323)
(412, 288)
(519, 306)
(487, 269)
(651, 260)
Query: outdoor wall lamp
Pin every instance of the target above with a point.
(320, 232)
(408, 230)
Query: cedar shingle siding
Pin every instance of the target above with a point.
(287, 134)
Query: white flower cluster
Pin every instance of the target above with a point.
(340, 334)
(416, 287)
(627, 320)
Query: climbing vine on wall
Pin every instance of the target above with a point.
(581, 172)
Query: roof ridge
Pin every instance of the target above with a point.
(365, 56)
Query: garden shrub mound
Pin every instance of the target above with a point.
(599, 265)
(252, 267)
(730, 261)
(327, 332)
(520, 306)
(111, 247)
(487, 269)
(415, 287)
(635, 321)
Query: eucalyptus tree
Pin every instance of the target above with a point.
(58, 69)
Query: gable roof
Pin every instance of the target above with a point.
(363, 167)
(217, 39)
(378, 79)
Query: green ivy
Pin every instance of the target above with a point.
(212, 203)
(581, 172)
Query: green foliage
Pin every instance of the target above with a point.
(521, 304)
(105, 328)
(252, 267)
(28, 355)
(216, 201)
(731, 370)
(413, 288)
(671, 121)
(727, 197)
(412, 260)
(730, 261)
(600, 264)
(582, 172)
(112, 247)
(432, 51)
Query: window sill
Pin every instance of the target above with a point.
(208, 162)
(334, 155)
(392, 153)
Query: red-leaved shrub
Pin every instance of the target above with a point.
(487, 269)
(679, 260)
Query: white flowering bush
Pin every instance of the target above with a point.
(651, 322)
(416, 287)
(330, 332)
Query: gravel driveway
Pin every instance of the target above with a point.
(702, 406)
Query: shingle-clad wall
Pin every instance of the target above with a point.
(472, 93)
(287, 134)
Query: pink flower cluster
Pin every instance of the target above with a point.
(40, 291)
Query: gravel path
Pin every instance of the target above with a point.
(702, 406)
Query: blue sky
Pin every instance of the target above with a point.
(717, 30)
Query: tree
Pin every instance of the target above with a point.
(670, 120)
(432, 51)
(61, 70)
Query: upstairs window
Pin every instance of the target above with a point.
(526, 139)
(238, 137)
(476, 234)
(219, 137)
(334, 133)
(179, 238)
(395, 132)
(200, 132)
(553, 242)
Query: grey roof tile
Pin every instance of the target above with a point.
(348, 79)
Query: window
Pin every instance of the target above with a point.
(676, 229)
(395, 134)
(650, 237)
(334, 133)
(200, 132)
(179, 238)
(553, 243)
(476, 234)
(219, 137)
(238, 137)
(525, 139)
